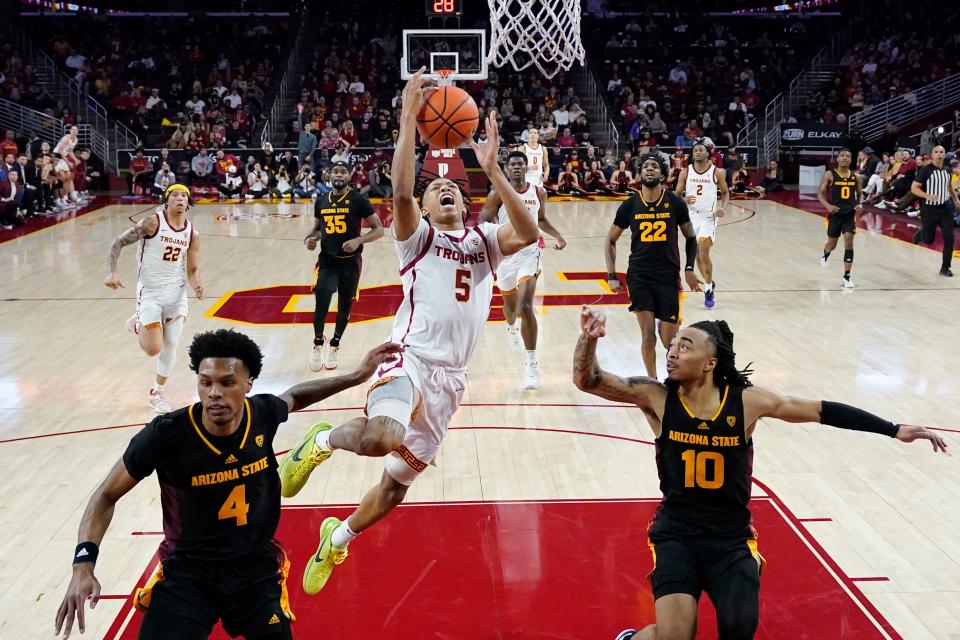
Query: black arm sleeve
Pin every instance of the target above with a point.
(690, 248)
(844, 416)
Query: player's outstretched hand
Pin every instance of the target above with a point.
(83, 586)
(412, 98)
(488, 153)
(593, 323)
(386, 352)
(911, 432)
(695, 283)
(113, 281)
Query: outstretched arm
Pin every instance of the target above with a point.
(491, 207)
(144, 228)
(307, 393)
(763, 403)
(521, 231)
(546, 225)
(406, 211)
(646, 393)
(93, 525)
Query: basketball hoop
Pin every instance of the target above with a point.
(541, 33)
(443, 77)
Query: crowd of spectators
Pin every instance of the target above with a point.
(196, 81)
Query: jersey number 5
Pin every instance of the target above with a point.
(171, 254)
(235, 506)
(695, 469)
(463, 285)
(653, 231)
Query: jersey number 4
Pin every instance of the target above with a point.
(463, 285)
(653, 231)
(171, 254)
(695, 469)
(235, 506)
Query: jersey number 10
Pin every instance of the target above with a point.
(695, 469)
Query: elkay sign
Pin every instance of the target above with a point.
(810, 135)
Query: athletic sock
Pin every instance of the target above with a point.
(531, 357)
(846, 275)
(323, 439)
(512, 326)
(826, 254)
(335, 341)
(318, 341)
(342, 535)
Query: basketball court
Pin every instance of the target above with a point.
(532, 523)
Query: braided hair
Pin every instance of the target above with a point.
(721, 337)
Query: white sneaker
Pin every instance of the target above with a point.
(513, 339)
(823, 260)
(133, 324)
(330, 359)
(531, 376)
(847, 283)
(158, 403)
(316, 358)
(913, 213)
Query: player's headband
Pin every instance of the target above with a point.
(177, 187)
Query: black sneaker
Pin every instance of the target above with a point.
(946, 272)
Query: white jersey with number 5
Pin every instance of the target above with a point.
(704, 187)
(534, 163)
(163, 256)
(447, 289)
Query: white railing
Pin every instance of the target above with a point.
(907, 108)
(112, 134)
(36, 124)
(279, 112)
(801, 86)
(602, 114)
(748, 134)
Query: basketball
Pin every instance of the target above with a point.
(449, 118)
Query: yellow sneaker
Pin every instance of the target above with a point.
(320, 566)
(296, 466)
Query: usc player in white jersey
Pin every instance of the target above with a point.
(169, 259)
(538, 165)
(447, 271)
(700, 184)
(517, 275)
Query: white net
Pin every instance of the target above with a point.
(540, 33)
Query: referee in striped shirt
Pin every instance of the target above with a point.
(933, 187)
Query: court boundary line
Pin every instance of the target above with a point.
(833, 568)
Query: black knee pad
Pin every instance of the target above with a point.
(848, 255)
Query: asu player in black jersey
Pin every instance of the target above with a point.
(704, 415)
(338, 215)
(842, 209)
(220, 497)
(653, 215)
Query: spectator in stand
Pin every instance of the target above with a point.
(258, 182)
(608, 163)
(307, 143)
(289, 162)
(896, 197)
(622, 178)
(866, 164)
(195, 105)
(594, 181)
(566, 140)
(202, 168)
(381, 184)
(889, 142)
(875, 182)
(568, 182)
(342, 153)
(283, 186)
(10, 194)
(29, 193)
(33, 177)
(163, 158)
(225, 161)
(561, 115)
(139, 173)
(348, 133)
(163, 179)
(231, 184)
(772, 178)
(305, 183)
(183, 173)
(9, 144)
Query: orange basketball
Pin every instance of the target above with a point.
(449, 117)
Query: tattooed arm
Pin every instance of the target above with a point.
(647, 393)
(143, 229)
